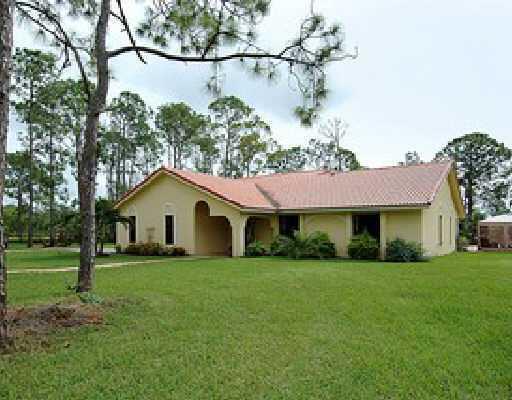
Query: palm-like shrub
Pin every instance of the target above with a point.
(400, 250)
(314, 245)
(255, 249)
(363, 247)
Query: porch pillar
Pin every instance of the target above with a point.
(238, 236)
(348, 232)
(383, 238)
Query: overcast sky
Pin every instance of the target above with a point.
(427, 71)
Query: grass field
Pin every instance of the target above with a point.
(279, 329)
(48, 258)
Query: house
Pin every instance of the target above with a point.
(495, 232)
(210, 215)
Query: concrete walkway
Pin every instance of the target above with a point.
(100, 266)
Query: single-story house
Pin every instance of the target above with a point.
(211, 215)
(495, 232)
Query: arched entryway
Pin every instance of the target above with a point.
(213, 234)
(258, 229)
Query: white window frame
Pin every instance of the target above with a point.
(169, 210)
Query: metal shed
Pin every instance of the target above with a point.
(496, 232)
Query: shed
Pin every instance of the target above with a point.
(496, 232)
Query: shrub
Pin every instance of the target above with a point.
(363, 247)
(314, 245)
(319, 245)
(154, 249)
(119, 249)
(402, 251)
(178, 251)
(255, 249)
(462, 243)
(279, 246)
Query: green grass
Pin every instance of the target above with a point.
(47, 259)
(279, 329)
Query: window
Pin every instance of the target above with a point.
(451, 235)
(169, 230)
(132, 229)
(369, 223)
(288, 224)
(440, 231)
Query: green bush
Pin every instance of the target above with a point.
(178, 251)
(255, 249)
(400, 250)
(154, 249)
(363, 247)
(314, 245)
(279, 246)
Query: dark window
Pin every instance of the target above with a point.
(132, 234)
(288, 224)
(169, 229)
(366, 223)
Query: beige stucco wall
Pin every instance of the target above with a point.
(443, 205)
(404, 225)
(337, 226)
(167, 194)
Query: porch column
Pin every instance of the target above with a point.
(348, 233)
(383, 238)
(238, 239)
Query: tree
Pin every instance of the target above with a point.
(412, 158)
(206, 152)
(329, 153)
(480, 160)
(286, 160)
(232, 120)
(106, 219)
(251, 147)
(52, 130)
(129, 119)
(6, 29)
(33, 69)
(179, 126)
(17, 186)
(204, 32)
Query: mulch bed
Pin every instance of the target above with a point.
(29, 327)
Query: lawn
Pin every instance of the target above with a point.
(48, 258)
(279, 329)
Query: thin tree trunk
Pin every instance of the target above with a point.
(118, 171)
(52, 191)
(30, 172)
(19, 211)
(6, 24)
(88, 170)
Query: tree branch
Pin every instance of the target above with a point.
(124, 22)
(227, 57)
(64, 40)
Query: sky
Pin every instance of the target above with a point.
(427, 71)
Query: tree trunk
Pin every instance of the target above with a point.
(30, 172)
(19, 211)
(52, 191)
(6, 24)
(88, 168)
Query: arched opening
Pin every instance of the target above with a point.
(212, 233)
(258, 229)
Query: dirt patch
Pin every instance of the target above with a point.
(30, 327)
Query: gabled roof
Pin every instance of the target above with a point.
(401, 186)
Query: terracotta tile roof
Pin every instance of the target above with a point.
(380, 187)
